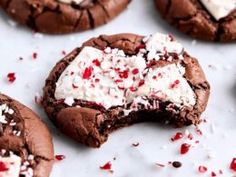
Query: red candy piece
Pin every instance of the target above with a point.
(87, 73)
(233, 165)
(175, 84)
(184, 148)
(177, 136)
(3, 167)
(202, 169)
(97, 62)
(107, 166)
(135, 71)
(11, 77)
(60, 157)
(124, 74)
(213, 174)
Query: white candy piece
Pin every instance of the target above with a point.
(71, 1)
(13, 163)
(219, 8)
(132, 83)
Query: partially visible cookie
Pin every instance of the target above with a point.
(63, 16)
(26, 148)
(115, 81)
(213, 20)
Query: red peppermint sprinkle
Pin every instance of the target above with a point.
(118, 80)
(213, 174)
(177, 136)
(133, 89)
(3, 167)
(124, 74)
(34, 55)
(184, 148)
(87, 73)
(141, 83)
(97, 62)
(135, 71)
(202, 169)
(175, 84)
(233, 164)
(107, 166)
(11, 77)
(59, 157)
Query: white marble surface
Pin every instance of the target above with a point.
(218, 140)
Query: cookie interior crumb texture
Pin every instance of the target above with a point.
(204, 19)
(63, 16)
(26, 148)
(115, 81)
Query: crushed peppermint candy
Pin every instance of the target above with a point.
(111, 78)
(60, 157)
(233, 164)
(202, 169)
(12, 165)
(184, 148)
(107, 167)
(4, 110)
(11, 77)
(177, 136)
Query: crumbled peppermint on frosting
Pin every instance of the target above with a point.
(219, 8)
(13, 166)
(110, 78)
(4, 110)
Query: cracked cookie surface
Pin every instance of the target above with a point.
(26, 148)
(89, 120)
(61, 16)
(194, 19)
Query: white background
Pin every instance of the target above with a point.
(219, 133)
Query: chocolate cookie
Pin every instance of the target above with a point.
(115, 81)
(63, 16)
(213, 20)
(26, 148)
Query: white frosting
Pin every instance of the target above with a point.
(111, 78)
(13, 164)
(71, 1)
(219, 8)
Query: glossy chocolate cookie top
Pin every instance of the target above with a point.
(63, 16)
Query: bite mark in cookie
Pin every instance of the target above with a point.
(218, 8)
(23, 153)
(115, 81)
